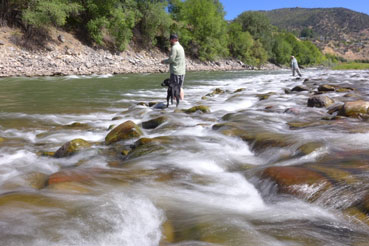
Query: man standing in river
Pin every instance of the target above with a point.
(177, 63)
(295, 66)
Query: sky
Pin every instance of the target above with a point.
(235, 7)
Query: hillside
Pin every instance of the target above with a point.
(338, 31)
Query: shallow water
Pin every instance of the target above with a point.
(204, 184)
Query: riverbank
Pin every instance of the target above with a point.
(65, 55)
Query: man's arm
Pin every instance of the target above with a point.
(172, 56)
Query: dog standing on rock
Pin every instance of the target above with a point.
(173, 91)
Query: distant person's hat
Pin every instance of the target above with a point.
(173, 36)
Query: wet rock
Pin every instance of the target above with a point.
(142, 104)
(287, 91)
(36, 180)
(355, 109)
(77, 125)
(217, 91)
(71, 148)
(239, 90)
(308, 148)
(294, 111)
(326, 88)
(319, 101)
(297, 180)
(72, 175)
(117, 118)
(201, 108)
(152, 104)
(258, 140)
(265, 95)
(28, 200)
(152, 124)
(2, 139)
(125, 131)
(167, 232)
(330, 88)
(299, 88)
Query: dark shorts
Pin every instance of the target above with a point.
(177, 79)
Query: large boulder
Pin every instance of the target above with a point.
(320, 101)
(125, 131)
(71, 147)
(355, 109)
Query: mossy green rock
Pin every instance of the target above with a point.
(152, 124)
(71, 148)
(125, 131)
(201, 108)
(265, 95)
(239, 90)
(2, 140)
(217, 91)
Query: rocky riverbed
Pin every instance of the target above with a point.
(65, 55)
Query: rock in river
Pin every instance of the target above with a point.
(71, 148)
(124, 131)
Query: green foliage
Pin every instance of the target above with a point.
(43, 13)
(204, 34)
(307, 33)
(112, 18)
(155, 22)
(352, 66)
(240, 43)
(282, 50)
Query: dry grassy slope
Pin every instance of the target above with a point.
(339, 31)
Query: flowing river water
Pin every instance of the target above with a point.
(201, 186)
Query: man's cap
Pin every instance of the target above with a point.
(173, 36)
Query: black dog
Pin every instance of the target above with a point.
(173, 91)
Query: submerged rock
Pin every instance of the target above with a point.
(217, 91)
(299, 88)
(201, 108)
(265, 95)
(239, 90)
(152, 124)
(125, 131)
(298, 181)
(71, 147)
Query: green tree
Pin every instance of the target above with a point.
(258, 25)
(282, 50)
(155, 22)
(240, 43)
(44, 13)
(204, 32)
(109, 21)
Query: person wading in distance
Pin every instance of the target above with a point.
(295, 66)
(177, 63)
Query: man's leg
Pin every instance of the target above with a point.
(298, 71)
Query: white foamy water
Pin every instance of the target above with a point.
(215, 176)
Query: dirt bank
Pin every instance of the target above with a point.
(65, 55)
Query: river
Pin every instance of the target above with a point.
(201, 187)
